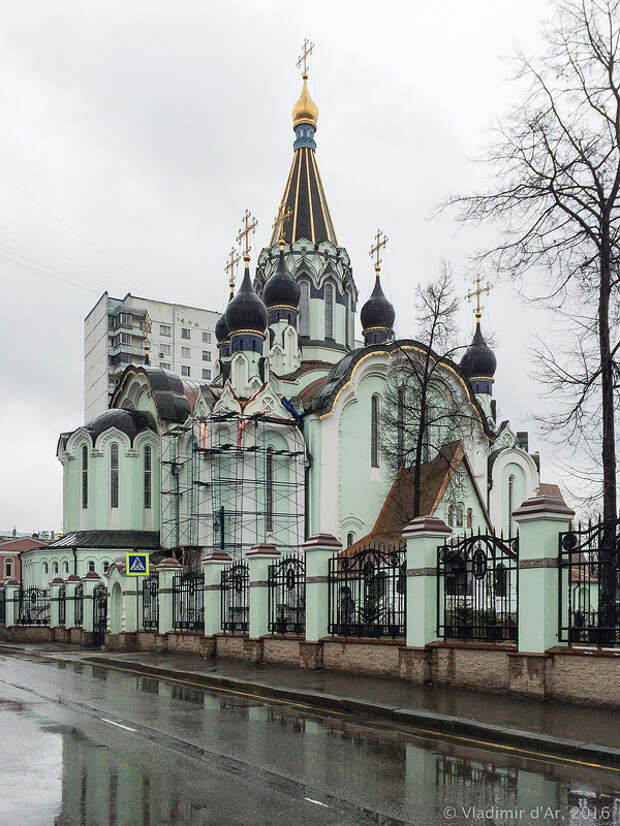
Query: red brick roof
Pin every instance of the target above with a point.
(26, 543)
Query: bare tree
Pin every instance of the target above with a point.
(422, 411)
(557, 166)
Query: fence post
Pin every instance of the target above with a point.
(319, 550)
(259, 558)
(168, 569)
(540, 519)
(54, 608)
(2, 606)
(12, 603)
(90, 582)
(212, 565)
(71, 582)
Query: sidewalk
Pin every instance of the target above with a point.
(549, 726)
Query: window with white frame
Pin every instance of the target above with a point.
(206, 355)
(185, 371)
(186, 352)
(165, 349)
(206, 338)
(304, 309)
(206, 374)
(374, 431)
(165, 365)
(8, 568)
(329, 311)
(165, 330)
(147, 477)
(186, 332)
(91, 567)
(84, 476)
(114, 475)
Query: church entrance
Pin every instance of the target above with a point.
(100, 614)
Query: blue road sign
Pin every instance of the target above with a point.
(137, 565)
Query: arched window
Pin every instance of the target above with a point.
(350, 320)
(459, 516)
(350, 539)
(84, 476)
(469, 517)
(8, 568)
(304, 309)
(55, 567)
(329, 311)
(269, 490)
(511, 496)
(106, 567)
(451, 516)
(65, 567)
(147, 477)
(114, 475)
(91, 567)
(400, 426)
(46, 568)
(374, 431)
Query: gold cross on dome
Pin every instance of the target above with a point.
(380, 241)
(476, 294)
(230, 269)
(278, 224)
(306, 51)
(249, 225)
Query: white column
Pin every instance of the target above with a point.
(423, 535)
(540, 519)
(319, 549)
(90, 582)
(12, 604)
(212, 565)
(168, 569)
(71, 584)
(259, 558)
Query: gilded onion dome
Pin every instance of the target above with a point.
(305, 110)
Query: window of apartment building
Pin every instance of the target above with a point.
(125, 319)
(206, 355)
(206, 338)
(186, 332)
(165, 330)
(206, 374)
(185, 370)
(125, 338)
(165, 365)
(165, 349)
(186, 352)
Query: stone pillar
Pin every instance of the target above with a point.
(168, 569)
(71, 583)
(423, 535)
(540, 519)
(319, 549)
(55, 585)
(12, 602)
(90, 582)
(212, 565)
(259, 558)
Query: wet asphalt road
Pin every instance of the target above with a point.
(80, 744)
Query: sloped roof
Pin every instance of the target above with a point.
(174, 397)
(146, 540)
(26, 543)
(397, 510)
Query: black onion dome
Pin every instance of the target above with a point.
(129, 422)
(479, 360)
(281, 289)
(221, 329)
(246, 311)
(377, 311)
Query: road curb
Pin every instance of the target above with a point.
(431, 722)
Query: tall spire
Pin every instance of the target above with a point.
(304, 195)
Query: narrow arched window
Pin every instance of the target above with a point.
(470, 515)
(8, 568)
(374, 431)
(65, 567)
(55, 568)
(106, 567)
(84, 476)
(114, 475)
(91, 567)
(400, 427)
(45, 568)
(304, 309)
(459, 516)
(269, 490)
(451, 516)
(349, 321)
(329, 311)
(350, 539)
(147, 477)
(511, 496)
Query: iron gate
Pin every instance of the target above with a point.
(100, 614)
(287, 596)
(150, 602)
(368, 592)
(234, 611)
(33, 607)
(478, 588)
(188, 602)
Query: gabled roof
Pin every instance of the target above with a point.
(397, 510)
(26, 543)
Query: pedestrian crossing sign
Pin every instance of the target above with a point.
(137, 565)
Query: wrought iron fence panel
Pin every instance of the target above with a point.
(367, 592)
(100, 614)
(287, 596)
(34, 607)
(478, 588)
(150, 602)
(188, 601)
(589, 584)
(78, 606)
(2, 606)
(62, 605)
(234, 591)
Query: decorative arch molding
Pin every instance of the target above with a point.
(523, 460)
(74, 443)
(227, 402)
(147, 437)
(109, 436)
(267, 401)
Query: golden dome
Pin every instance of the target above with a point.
(305, 110)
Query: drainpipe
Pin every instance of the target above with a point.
(74, 552)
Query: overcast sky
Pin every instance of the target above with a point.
(134, 135)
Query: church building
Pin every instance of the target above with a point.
(287, 439)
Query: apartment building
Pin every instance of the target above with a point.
(182, 339)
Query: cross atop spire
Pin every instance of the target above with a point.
(147, 337)
(284, 213)
(249, 225)
(306, 50)
(230, 269)
(381, 240)
(476, 294)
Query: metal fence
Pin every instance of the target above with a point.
(188, 602)
(589, 584)
(478, 588)
(78, 606)
(234, 605)
(33, 607)
(287, 596)
(62, 605)
(2, 606)
(150, 603)
(367, 592)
